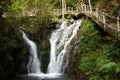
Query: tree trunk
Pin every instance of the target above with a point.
(63, 7)
(60, 2)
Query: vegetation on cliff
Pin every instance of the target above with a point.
(99, 53)
(31, 16)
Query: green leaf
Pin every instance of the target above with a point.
(108, 67)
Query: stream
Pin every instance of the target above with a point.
(63, 77)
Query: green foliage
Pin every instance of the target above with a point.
(108, 67)
(18, 4)
(97, 58)
(70, 3)
(33, 23)
(73, 3)
(87, 64)
(20, 8)
(29, 15)
(16, 7)
(41, 6)
(89, 38)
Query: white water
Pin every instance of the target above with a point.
(60, 43)
(33, 64)
(59, 53)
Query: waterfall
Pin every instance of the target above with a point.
(59, 53)
(60, 43)
(33, 64)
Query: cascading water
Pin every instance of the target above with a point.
(33, 64)
(60, 43)
(59, 53)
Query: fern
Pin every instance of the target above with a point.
(118, 68)
(108, 67)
